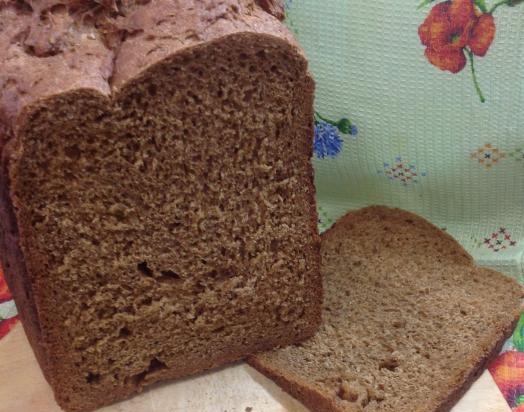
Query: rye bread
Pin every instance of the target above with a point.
(409, 321)
(157, 205)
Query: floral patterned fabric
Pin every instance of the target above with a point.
(8, 313)
(508, 369)
(421, 106)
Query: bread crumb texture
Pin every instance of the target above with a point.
(408, 319)
(156, 191)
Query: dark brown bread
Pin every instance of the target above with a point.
(156, 192)
(408, 324)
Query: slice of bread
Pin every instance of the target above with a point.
(157, 207)
(409, 321)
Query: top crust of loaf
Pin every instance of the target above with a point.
(49, 47)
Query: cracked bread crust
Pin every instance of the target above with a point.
(54, 46)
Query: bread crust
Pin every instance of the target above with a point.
(107, 47)
(318, 400)
(462, 387)
(105, 69)
(13, 261)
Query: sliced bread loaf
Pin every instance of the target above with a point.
(409, 321)
(156, 194)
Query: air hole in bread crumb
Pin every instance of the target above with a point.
(101, 117)
(124, 332)
(199, 287)
(274, 245)
(23, 6)
(144, 269)
(147, 301)
(222, 273)
(138, 378)
(73, 152)
(56, 9)
(171, 274)
(196, 99)
(248, 95)
(173, 225)
(390, 364)
(347, 394)
(93, 378)
(399, 324)
(49, 52)
(151, 89)
(38, 218)
(154, 366)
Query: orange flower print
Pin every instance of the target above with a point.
(482, 34)
(458, 30)
(446, 32)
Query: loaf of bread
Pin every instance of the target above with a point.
(156, 193)
(408, 324)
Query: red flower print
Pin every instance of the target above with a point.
(5, 295)
(482, 34)
(445, 33)
(6, 325)
(452, 26)
(456, 30)
(451, 60)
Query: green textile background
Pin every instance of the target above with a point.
(425, 140)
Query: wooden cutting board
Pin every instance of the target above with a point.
(237, 388)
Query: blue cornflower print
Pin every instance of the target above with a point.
(327, 140)
(328, 135)
(287, 4)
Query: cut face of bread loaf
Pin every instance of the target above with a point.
(157, 202)
(408, 323)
